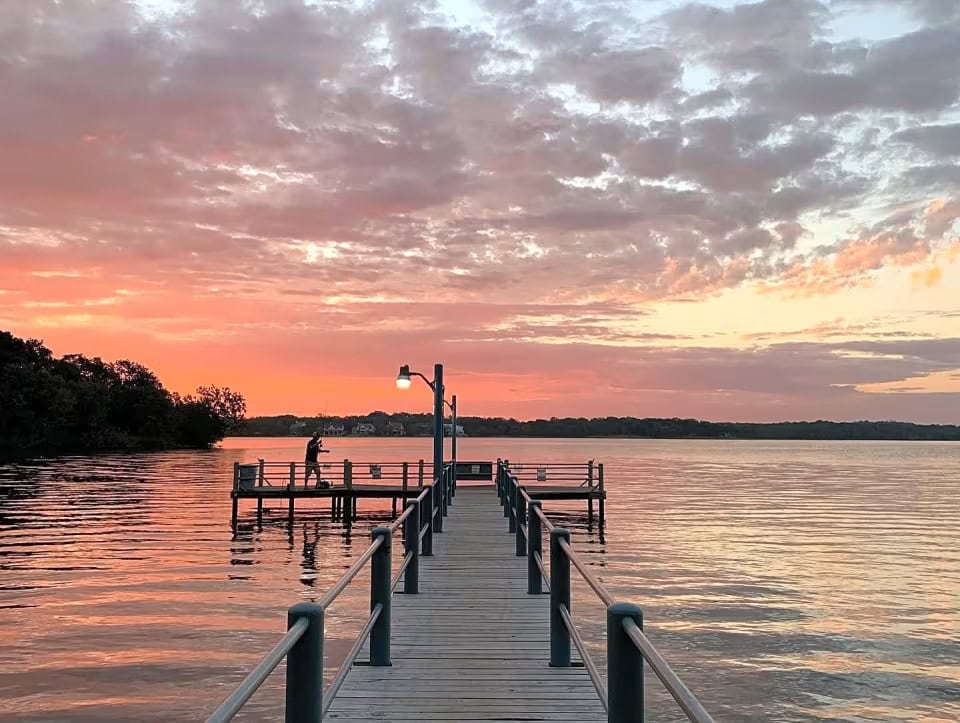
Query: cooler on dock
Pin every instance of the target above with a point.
(247, 476)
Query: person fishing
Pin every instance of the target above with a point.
(314, 449)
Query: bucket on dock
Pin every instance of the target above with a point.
(247, 476)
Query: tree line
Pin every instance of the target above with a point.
(675, 428)
(51, 405)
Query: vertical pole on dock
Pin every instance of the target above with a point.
(453, 448)
(438, 501)
(444, 490)
(437, 427)
(590, 494)
(411, 546)
(420, 475)
(624, 666)
(496, 477)
(521, 548)
(534, 548)
(380, 593)
(406, 481)
(426, 515)
(505, 487)
(290, 486)
(559, 595)
(346, 503)
(304, 699)
(512, 503)
(602, 496)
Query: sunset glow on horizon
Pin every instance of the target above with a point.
(722, 210)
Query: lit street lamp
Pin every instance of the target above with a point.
(436, 384)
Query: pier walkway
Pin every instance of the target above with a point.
(482, 630)
(472, 645)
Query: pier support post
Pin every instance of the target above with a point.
(559, 595)
(411, 546)
(291, 508)
(521, 548)
(601, 499)
(624, 666)
(304, 698)
(534, 548)
(259, 511)
(380, 594)
(426, 515)
(236, 509)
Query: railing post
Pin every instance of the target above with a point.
(411, 546)
(534, 548)
(304, 699)
(512, 498)
(380, 595)
(521, 549)
(559, 595)
(496, 478)
(406, 481)
(445, 487)
(437, 501)
(426, 513)
(624, 666)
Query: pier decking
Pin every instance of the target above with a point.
(473, 636)
(472, 645)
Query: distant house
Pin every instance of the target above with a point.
(396, 429)
(364, 429)
(333, 429)
(298, 428)
(448, 430)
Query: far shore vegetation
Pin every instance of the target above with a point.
(74, 404)
(405, 424)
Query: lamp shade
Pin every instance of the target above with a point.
(403, 378)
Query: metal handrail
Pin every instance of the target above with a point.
(347, 577)
(232, 705)
(592, 581)
(395, 525)
(585, 657)
(347, 664)
(681, 693)
(400, 570)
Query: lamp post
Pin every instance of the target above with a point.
(453, 444)
(436, 384)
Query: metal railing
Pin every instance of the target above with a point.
(291, 475)
(302, 645)
(627, 646)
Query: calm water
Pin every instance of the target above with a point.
(784, 581)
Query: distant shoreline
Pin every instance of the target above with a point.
(383, 425)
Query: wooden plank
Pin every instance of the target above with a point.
(473, 645)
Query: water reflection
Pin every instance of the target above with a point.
(784, 581)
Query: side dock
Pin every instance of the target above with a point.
(344, 483)
(482, 631)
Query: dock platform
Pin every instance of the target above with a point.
(479, 633)
(472, 645)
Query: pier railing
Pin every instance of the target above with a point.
(302, 645)
(627, 646)
(290, 475)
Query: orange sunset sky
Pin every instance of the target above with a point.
(724, 210)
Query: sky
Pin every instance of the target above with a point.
(721, 210)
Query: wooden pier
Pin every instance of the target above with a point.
(483, 630)
(348, 481)
(472, 645)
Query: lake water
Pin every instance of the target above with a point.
(784, 581)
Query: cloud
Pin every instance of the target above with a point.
(233, 169)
